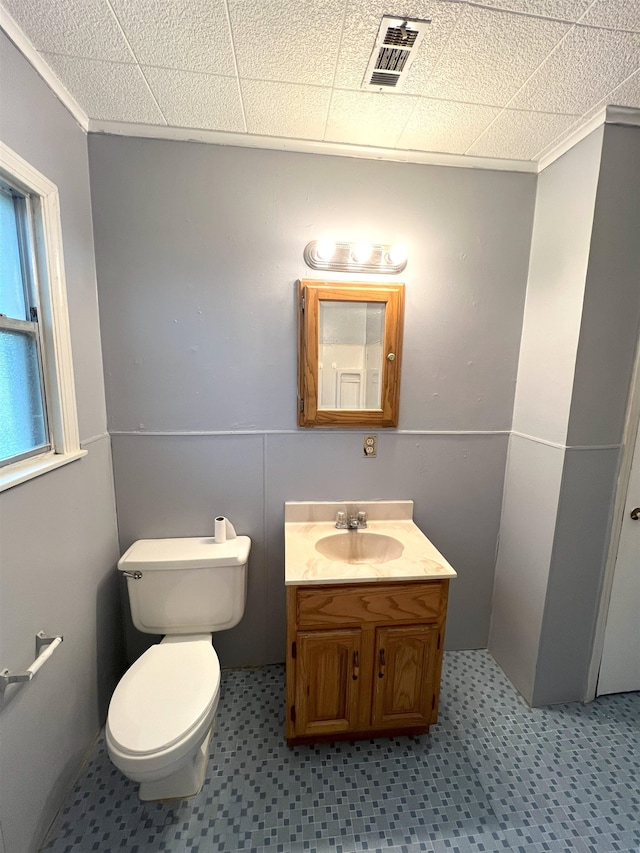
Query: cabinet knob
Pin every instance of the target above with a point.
(382, 664)
(356, 666)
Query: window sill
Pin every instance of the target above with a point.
(13, 475)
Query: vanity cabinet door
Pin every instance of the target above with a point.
(328, 679)
(363, 660)
(404, 688)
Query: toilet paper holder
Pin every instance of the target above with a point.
(45, 647)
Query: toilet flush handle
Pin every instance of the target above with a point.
(135, 575)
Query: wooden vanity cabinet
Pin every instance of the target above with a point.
(363, 659)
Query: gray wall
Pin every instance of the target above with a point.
(565, 202)
(609, 335)
(198, 249)
(580, 333)
(531, 496)
(564, 210)
(58, 532)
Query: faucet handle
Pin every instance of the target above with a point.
(362, 518)
(341, 519)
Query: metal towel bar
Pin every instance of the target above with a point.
(45, 647)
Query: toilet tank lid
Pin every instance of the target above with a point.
(187, 553)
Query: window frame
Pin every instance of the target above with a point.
(43, 211)
(23, 216)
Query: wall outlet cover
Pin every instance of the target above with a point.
(370, 446)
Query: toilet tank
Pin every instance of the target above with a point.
(186, 586)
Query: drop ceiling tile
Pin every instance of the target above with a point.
(586, 66)
(490, 55)
(627, 94)
(188, 99)
(361, 24)
(285, 109)
(291, 41)
(368, 118)
(106, 91)
(517, 135)
(84, 28)
(190, 35)
(446, 126)
(566, 10)
(622, 15)
(540, 155)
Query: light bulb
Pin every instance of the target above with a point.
(361, 252)
(397, 254)
(325, 249)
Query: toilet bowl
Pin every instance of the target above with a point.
(166, 753)
(162, 712)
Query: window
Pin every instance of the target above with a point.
(23, 427)
(38, 420)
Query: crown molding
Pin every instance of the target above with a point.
(307, 146)
(629, 116)
(26, 48)
(583, 130)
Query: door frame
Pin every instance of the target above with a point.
(632, 421)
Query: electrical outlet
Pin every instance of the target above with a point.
(370, 445)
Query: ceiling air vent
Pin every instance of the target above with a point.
(396, 47)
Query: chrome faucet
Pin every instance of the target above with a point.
(354, 522)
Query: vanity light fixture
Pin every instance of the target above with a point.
(361, 252)
(356, 257)
(397, 254)
(325, 249)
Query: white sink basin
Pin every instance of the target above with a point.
(359, 546)
(392, 548)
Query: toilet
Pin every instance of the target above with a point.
(162, 712)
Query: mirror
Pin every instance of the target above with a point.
(349, 353)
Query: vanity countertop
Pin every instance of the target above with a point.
(306, 524)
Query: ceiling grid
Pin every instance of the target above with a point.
(505, 81)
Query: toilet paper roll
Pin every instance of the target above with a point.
(220, 530)
(223, 530)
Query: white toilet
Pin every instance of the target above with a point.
(161, 714)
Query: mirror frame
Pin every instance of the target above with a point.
(310, 294)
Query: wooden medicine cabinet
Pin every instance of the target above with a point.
(349, 353)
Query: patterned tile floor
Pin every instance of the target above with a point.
(493, 775)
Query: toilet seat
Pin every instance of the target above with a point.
(164, 700)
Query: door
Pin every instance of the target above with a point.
(404, 687)
(327, 681)
(620, 665)
(350, 389)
